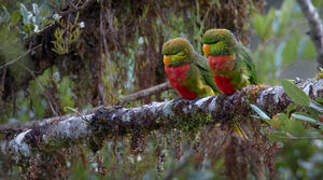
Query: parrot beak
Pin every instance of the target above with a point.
(206, 49)
(166, 60)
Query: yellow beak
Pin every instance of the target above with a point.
(166, 60)
(206, 49)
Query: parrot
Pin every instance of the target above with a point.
(229, 61)
(187, 71)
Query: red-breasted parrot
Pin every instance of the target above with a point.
(230, 63)
(187, 71)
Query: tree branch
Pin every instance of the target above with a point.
(19, 57)
(177, 113)
(316, 27)
(145, 93)
(18, 127)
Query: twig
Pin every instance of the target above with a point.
(316, 27)
(104, 50)
(19, 57)
(82, 115)
(145, 93)
(75, 8)
(302, 138)
(47, 95)
(289, 136)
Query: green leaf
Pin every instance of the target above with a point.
(70, 109)
(284, 122)
(28, 28)
(316, 106)
(261, 113)
(285, 16)
(291, 107)
(319, 99)
(15, 17)
(306, 118)
(309, 50)
(295, 93)
(263, 24)
(277, 136)
(290, 51)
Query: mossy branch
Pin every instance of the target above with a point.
(91, 129)
(18, 127)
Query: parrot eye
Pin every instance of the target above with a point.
(214, 42)
(178, 51)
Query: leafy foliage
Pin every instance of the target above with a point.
(283, 42)
(297, 158)
(295, 93)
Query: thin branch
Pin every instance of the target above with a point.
(316, 27)
(145, 93)
(302, 138)
(49, 98)
(74, 8)
(20, 57)
(291, 137)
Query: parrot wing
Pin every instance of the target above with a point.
(204, 68)
(243, 56)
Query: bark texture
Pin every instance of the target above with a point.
(92, 128)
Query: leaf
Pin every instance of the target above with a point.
(15, 17)
(277, 136)
(319, 99)
(70, 109)
(304, 117)
(316, 106)
(262, 114)
(6, 17)
(295, 93)
(290, 51)
(309, 50)
(286, 11)
(36, 9)
(28, 28)
(291, 107)
(263, 24)
(26, 15)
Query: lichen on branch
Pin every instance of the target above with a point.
(178, 113)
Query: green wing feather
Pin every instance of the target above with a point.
(204, 68)
(245, 58)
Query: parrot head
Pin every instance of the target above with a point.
(218, 42)
(176, 52)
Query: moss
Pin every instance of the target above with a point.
(190, 124)
(319, 75)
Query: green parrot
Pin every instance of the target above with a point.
(187, 71)
(230, 63)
